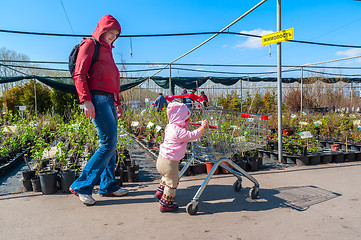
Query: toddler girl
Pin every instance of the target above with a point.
(171, 151)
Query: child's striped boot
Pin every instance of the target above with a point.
(158, 195)
(167, 204)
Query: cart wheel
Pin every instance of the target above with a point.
(237, 185)
(253, 193)
(192, 208)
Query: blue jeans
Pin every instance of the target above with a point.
(102, 163)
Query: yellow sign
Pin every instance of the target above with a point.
(277, 37)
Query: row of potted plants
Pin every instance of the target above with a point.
(339, 128)
(74, 139)
(57, 145)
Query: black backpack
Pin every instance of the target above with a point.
(74, 54)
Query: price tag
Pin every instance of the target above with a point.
(134, 124)
(303, 123)
(150, 124)
(317, 123)
(158, 128)
(305, 135)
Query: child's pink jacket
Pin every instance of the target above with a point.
(176, 135)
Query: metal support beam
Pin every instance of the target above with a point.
(36, 105)
(170, 80)
(279, 80)
(301, 107)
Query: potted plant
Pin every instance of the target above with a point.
(312, 148)
(67, 174)
(48, 177)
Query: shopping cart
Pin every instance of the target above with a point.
(220, 142)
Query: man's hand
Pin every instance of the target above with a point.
(89, 110)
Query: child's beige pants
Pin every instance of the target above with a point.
(169, 171)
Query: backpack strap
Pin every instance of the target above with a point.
(96, 51)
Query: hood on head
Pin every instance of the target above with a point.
(178, 113)
(106, 23)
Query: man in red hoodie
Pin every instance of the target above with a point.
(98, 87)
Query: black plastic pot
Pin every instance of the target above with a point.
(260, 163)
(27, 185)
(242, 162)
(118, 175)
(127, 162)
(349, 156)
(35, 182)
(253, 163)
(302, 160)
(315, 159)
(326, 157)
(125, 175)
(27, 175)
(337, 157)
(67, 177)
(48, 181)
(357, 156)
(198, 168)
(133, 173)
(187, 172)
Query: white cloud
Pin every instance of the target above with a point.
(253, 42)
(349, 52)
(225, 45)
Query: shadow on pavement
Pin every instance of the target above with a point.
(222, 198)
(19, 195)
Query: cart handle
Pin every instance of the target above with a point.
(265, 117)
(198, 124)
(191, 96)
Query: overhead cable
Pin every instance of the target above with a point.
(331, 74)
(176, 34)
(190, 64)
(150, 69)
(12, 69)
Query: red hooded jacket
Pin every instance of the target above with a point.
(104, 74)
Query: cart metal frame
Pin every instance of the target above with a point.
(207, 154)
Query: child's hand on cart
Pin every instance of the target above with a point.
(204, 124)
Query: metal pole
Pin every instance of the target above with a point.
(170, 80)
(148, 88)
(279, 80)
(36, 106)
(241, 96)
(351, 96)
(301, 109)
(140, 96)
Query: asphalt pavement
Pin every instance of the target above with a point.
(309, 202)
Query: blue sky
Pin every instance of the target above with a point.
(331, 21)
